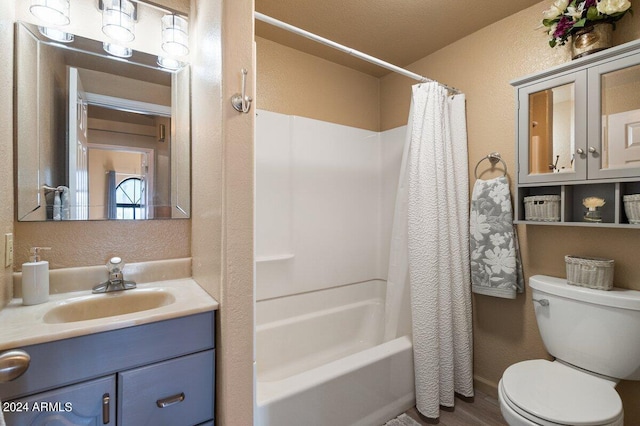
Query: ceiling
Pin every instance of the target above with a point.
(396, 31)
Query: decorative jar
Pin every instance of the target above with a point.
(591, 39)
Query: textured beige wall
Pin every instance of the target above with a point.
(296, 83)
(237, 295)
(222, 219)
(94, 242)
(482, 65)
(7, 12)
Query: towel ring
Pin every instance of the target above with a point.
(493, 158)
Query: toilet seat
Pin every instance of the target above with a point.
(550, 393)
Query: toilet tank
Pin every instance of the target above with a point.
(596, 330)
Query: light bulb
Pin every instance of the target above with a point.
(170, 63)
(117, 50)
(175, 35)
(56, 34)
(118, 20)
(52, 12)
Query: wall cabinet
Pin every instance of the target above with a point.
(160, 373)
(578, 135)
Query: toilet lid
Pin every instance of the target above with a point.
(561, 394)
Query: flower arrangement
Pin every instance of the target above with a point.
(593, 202)
(566, 17)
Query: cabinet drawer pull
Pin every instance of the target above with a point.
(165, 402)
(105, 408)
(13, 364)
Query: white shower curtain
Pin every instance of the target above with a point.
(430, 248)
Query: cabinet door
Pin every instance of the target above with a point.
(178, 392)
(614, 119)
(552, 129)
(85, 404)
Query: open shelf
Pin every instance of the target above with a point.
(571, 207)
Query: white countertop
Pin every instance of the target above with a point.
(24, 325)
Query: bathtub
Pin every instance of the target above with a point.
(321, 360)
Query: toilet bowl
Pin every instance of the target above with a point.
(595, 337)
(541, 392)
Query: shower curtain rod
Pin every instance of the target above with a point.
(353, 52)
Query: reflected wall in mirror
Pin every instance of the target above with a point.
(97, 137)
(552, 130)
(621, 118)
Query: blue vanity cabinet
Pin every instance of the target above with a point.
(89, 403)
(174, 392)
(161, 373)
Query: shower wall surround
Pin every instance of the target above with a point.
(324, 203)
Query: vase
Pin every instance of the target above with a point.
(593, 215)
(591, 39)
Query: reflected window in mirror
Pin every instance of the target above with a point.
(129, 199)
(552, 130)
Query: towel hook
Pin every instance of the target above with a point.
(240, 101)
(493, 158)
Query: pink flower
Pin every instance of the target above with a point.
(564, 25)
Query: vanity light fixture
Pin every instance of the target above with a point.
(56, 34)
(51, 12)
(170, 63)
(175, 35)
(117, 50)
(118, 19)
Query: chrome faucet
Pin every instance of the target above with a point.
(116, 280)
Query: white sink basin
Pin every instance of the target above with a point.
(107, 305)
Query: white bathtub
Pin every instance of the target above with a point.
(321, 360)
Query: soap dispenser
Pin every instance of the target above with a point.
(35, 278)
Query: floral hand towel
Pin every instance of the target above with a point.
(495, 262)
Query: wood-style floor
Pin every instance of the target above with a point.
(481, 410)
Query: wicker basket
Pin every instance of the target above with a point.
(632, 207)
(542, 208)
(590, 272)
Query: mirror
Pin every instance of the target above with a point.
(98, 137)
(620, 106)
(551, 135)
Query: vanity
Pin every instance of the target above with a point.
(152, 362)
(578, 136)
(102, 138)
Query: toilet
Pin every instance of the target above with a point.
(594, 336)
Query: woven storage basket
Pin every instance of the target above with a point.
(542, 208)
(632, 207)
(590, 272)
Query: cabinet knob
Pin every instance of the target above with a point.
(592, 150)
(580, 151)
(13, 364)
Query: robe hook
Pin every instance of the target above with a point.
(240, 101)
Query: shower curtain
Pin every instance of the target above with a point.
(430, 248)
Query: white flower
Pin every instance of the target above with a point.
(478, 225)
(499, 193)
(557, 8)
(501, 260)
(609, 7)
(575, 12)
(497, 239)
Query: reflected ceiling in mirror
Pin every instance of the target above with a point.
(98, 137)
